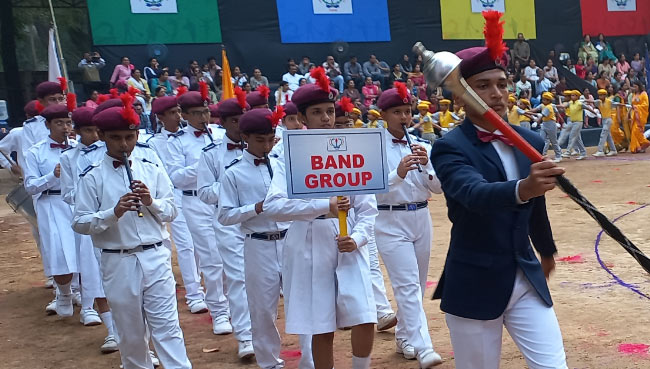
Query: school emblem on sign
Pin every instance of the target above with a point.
(332, 6)
(479, 6)
(621, 5)
(337, 144)
(153, 6)
(153, 3)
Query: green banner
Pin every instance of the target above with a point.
(113, 23)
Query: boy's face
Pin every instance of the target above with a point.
(423, 111)
(197, 116)
(546, 101)
(231, 124)
(171, 117)
(343, 122)
(259, 144)
(319, 116)
(396, 116)
(53, 99)
(602, 97)
(60, 128)
(88, 134)
(119, 141)
(510, 104)
(444, 107)
(291, 122)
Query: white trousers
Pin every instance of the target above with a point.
(404, 242)
(91, 279)
(532, 325)
(187, 259)
(230, 242)
(58, 244)
(141, 290)
(200, 219)
(377, 278)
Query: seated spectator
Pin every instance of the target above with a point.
(292, 77)
(591, 66)
(523, 87)
(607, 68)
(258, 79)
(418, 80)
(633, 77)
(569, 66)
(163, 80)
(637, 63)
(604, 49)
(618, 80)
(520, 51)
(531, 71)
(589, 78)
(622, 65)
(284, 93)
(561, 86)
(542, 85)
(178, 79)
(152, 70)
(333, 71)
(397, 75)
(551, 72)
(581, 70)
(302, 82)
(247, 87)
(353, 70)
(587, 49)
(514, 68)
(191, 65)
(238, 78)
(90, 66)
(206, 74)
(385, 69)
(213, 68)
(92, 101)
(138, 82)
(371, 69)
(121, 72)
(305, 65)
(351, 91)
(511, 84)
(160, 91)
(370, 92)
(603, 82)
(145, 123)
(407, 67)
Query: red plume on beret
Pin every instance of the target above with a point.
(402, 91)
(128, 113)
(321, 78)
(203, 88)
(241, 97)
(276, 116)
(181, 90)
(64, 84)
(264, 91)
(114, 94)
(39, 107)
(71, 102)
(493, 32)
(346, 104)
(133, 91)
(103, 97)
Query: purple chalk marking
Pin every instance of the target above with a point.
(618, 280)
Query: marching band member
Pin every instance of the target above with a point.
(289, 122)
(259, 99)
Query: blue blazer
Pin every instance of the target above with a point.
(491, 233)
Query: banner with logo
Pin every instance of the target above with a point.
(332, 6)
(621, 5)
(479, 6)
(335, 162)
(462, 20)
(153, 6)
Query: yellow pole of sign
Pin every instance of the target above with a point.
(343, 221)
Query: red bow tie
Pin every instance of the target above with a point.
(232, 146)
(58, 146)
(489, 137)
(259, 161)
(396, 141)
(117, 163)
(199, 133)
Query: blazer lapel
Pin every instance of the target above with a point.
(523, 163)
(485, 148)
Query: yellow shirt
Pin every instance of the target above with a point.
(445, 119)
(427, 123)
(605, 108)
(551, 113)
(574, 111)
(513, 116)
(358, 123)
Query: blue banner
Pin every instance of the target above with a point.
(316, 21)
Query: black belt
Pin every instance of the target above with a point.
(135, 249)
(268, 236)
(51, 192)
(190, 193)
(405, 207)
(325, 217)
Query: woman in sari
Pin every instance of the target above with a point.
(639, 117)
(587, 49)
(621, 124)
(605, 50)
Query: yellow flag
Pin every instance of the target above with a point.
(226, 79)
(460, 23)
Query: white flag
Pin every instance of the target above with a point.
(153, 6)
(332, 6)
(482, 5)
(53, 67)
(621, 5)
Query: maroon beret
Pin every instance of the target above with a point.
(48, 88)
(160, 104)
(231, 107)
(344, 107)
(191, 99)
(55, 111)
(311, 94)
(114, 119)
(214, 110)
(256, 98)
(256, 121)
(393, 97)
(476, 60)
(290, 108)
(111, 103)
(83, 117)
(121, 85)
(30, 108)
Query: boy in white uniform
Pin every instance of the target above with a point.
(126, 221)
(403, 228)
(244, 186)
(326, 276)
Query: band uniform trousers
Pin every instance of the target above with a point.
(187, 259)
(377, 278)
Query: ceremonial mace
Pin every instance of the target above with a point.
(129, 173)
(408, 141)
(443, 69)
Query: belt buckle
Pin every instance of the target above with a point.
(411, 207)
(274, 237)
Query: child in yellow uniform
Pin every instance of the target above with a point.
(604, 104)
(356, 113)
(524, 120)
(513, 115)
(374, 120)
(445, 118)
(424, 122)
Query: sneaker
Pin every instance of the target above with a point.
(76, 298)
(557, 160)
(404, 348)
(110, 345)
(245, 351)
(221, 325)
(154, 359)
(89, 317)
(197, 306)
(386, 321)
(612, 153)
(64, 305)
(581, 157)
(565, 154)
(50, 309)
(574, 153)
(49, 283)
(429, 359)
(598, 154)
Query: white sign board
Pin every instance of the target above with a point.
(621, 5)
(479, 6)
(153, 6)
(335, 162)
(332, 6)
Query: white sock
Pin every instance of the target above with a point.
(87, 302)
(360, 362)
(64, 289)
(107, 318)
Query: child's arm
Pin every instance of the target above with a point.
(182, 176)
(68, 183)
(365, 212)
(162, 195)
(36, 183)
(88, 218)
(231, 211)
(206, 179)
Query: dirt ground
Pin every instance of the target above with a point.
(604, 324)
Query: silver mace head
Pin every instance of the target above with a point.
(441, 68)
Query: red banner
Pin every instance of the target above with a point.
(597, 19)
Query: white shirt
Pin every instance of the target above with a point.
(39, 167)
(243, 185)
(212, 165)
(34, 131)
(70, 172)
(99, 190)
(283, 97)
(416, 186)
(292, 80)
(281, 209)
(10, 143)
(160, 144)
(531, 73)
(277, 151)
(184, 152)
(95, 153)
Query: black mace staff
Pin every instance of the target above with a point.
(129, 173)
(408, 141)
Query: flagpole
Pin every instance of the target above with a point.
(58, 43)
